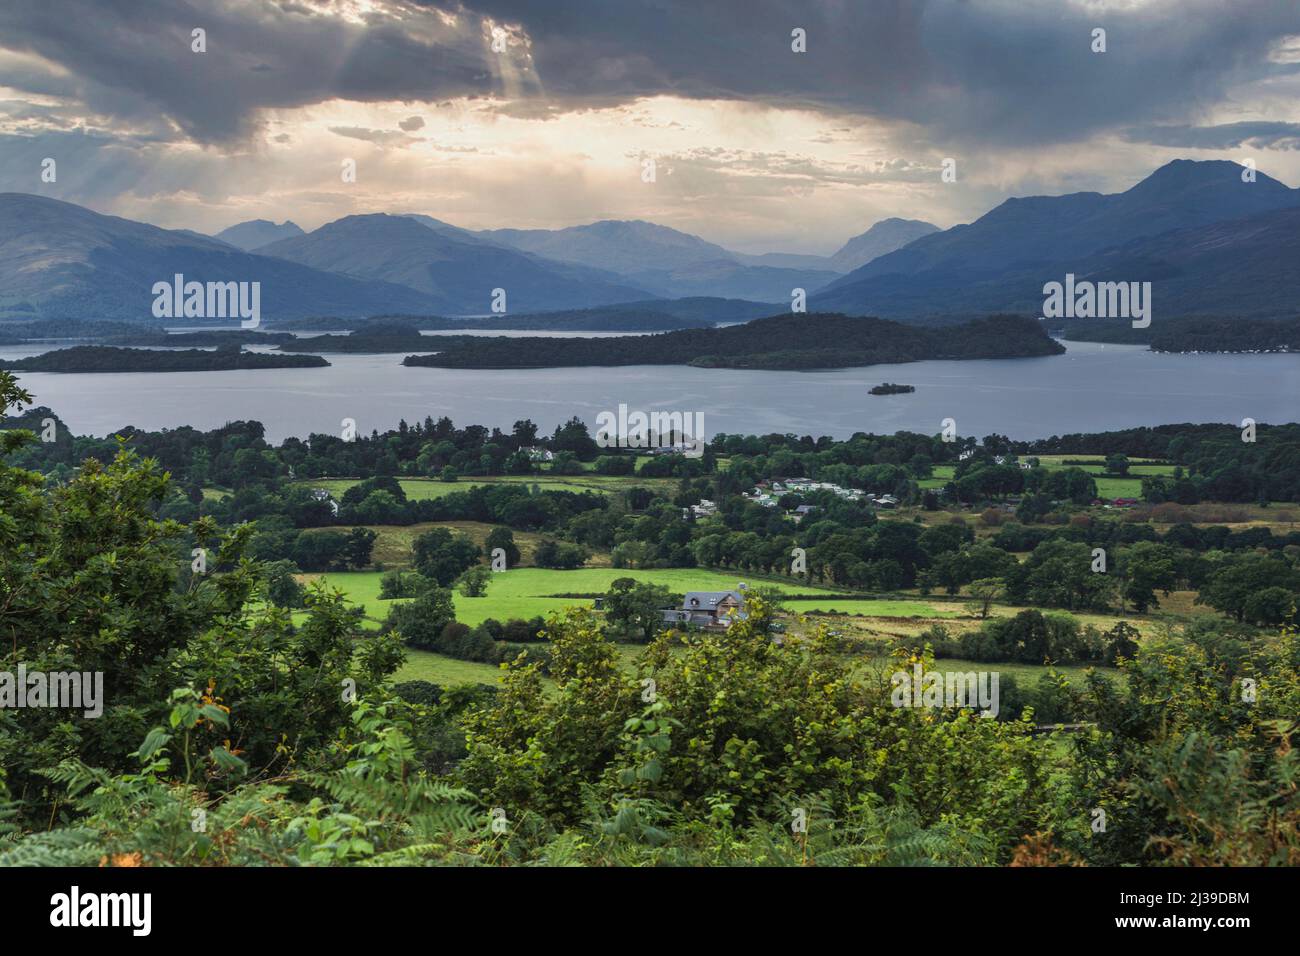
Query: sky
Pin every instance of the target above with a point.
(543, 114)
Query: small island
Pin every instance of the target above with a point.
(102, 358)
(889, 388)
(780, 342)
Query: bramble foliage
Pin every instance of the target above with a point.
(1189, 765)
(742, 721)
(92, 582)
(371, 809)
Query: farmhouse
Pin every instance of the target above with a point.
(712, 610)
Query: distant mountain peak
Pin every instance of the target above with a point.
(255, 233)
(884, 237)
(1182, 174)
(268, 222)
(627, 246)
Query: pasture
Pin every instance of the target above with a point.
(531, 592)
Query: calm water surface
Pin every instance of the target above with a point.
(1092, 387)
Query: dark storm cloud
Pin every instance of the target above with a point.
(1261, 135)
(993, 73)
(132, 58)
(1009, 73)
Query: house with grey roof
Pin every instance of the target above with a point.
(711, 610)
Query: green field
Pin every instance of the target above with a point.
(393, 546)
(1026, 675)
(1130, 487)
(445, 671)
(424, 489)
(884, 608)
(532, 592)
(1058, 461)
(528, 592)
(940, 476)
(440, 669)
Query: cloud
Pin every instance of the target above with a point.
(1257, 134)
(989, 73)
(133, 58)
(412, 123)
(995, 72)
(380, 137)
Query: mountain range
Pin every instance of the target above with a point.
(670, 263)
(1211, 240)
(1190, 228)
(61, 260)
(457, 275)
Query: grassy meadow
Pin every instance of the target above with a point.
(425, 489)
(1107, 487)
(529, 592)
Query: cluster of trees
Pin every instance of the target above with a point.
(331, 550)
(440, 560)
(634, 609)
(980, 479)
(1217, 464)
(1255, 587)
(237, 455)
(489, 643)
(1214, 463)
(561, 555)
(1032, 637)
